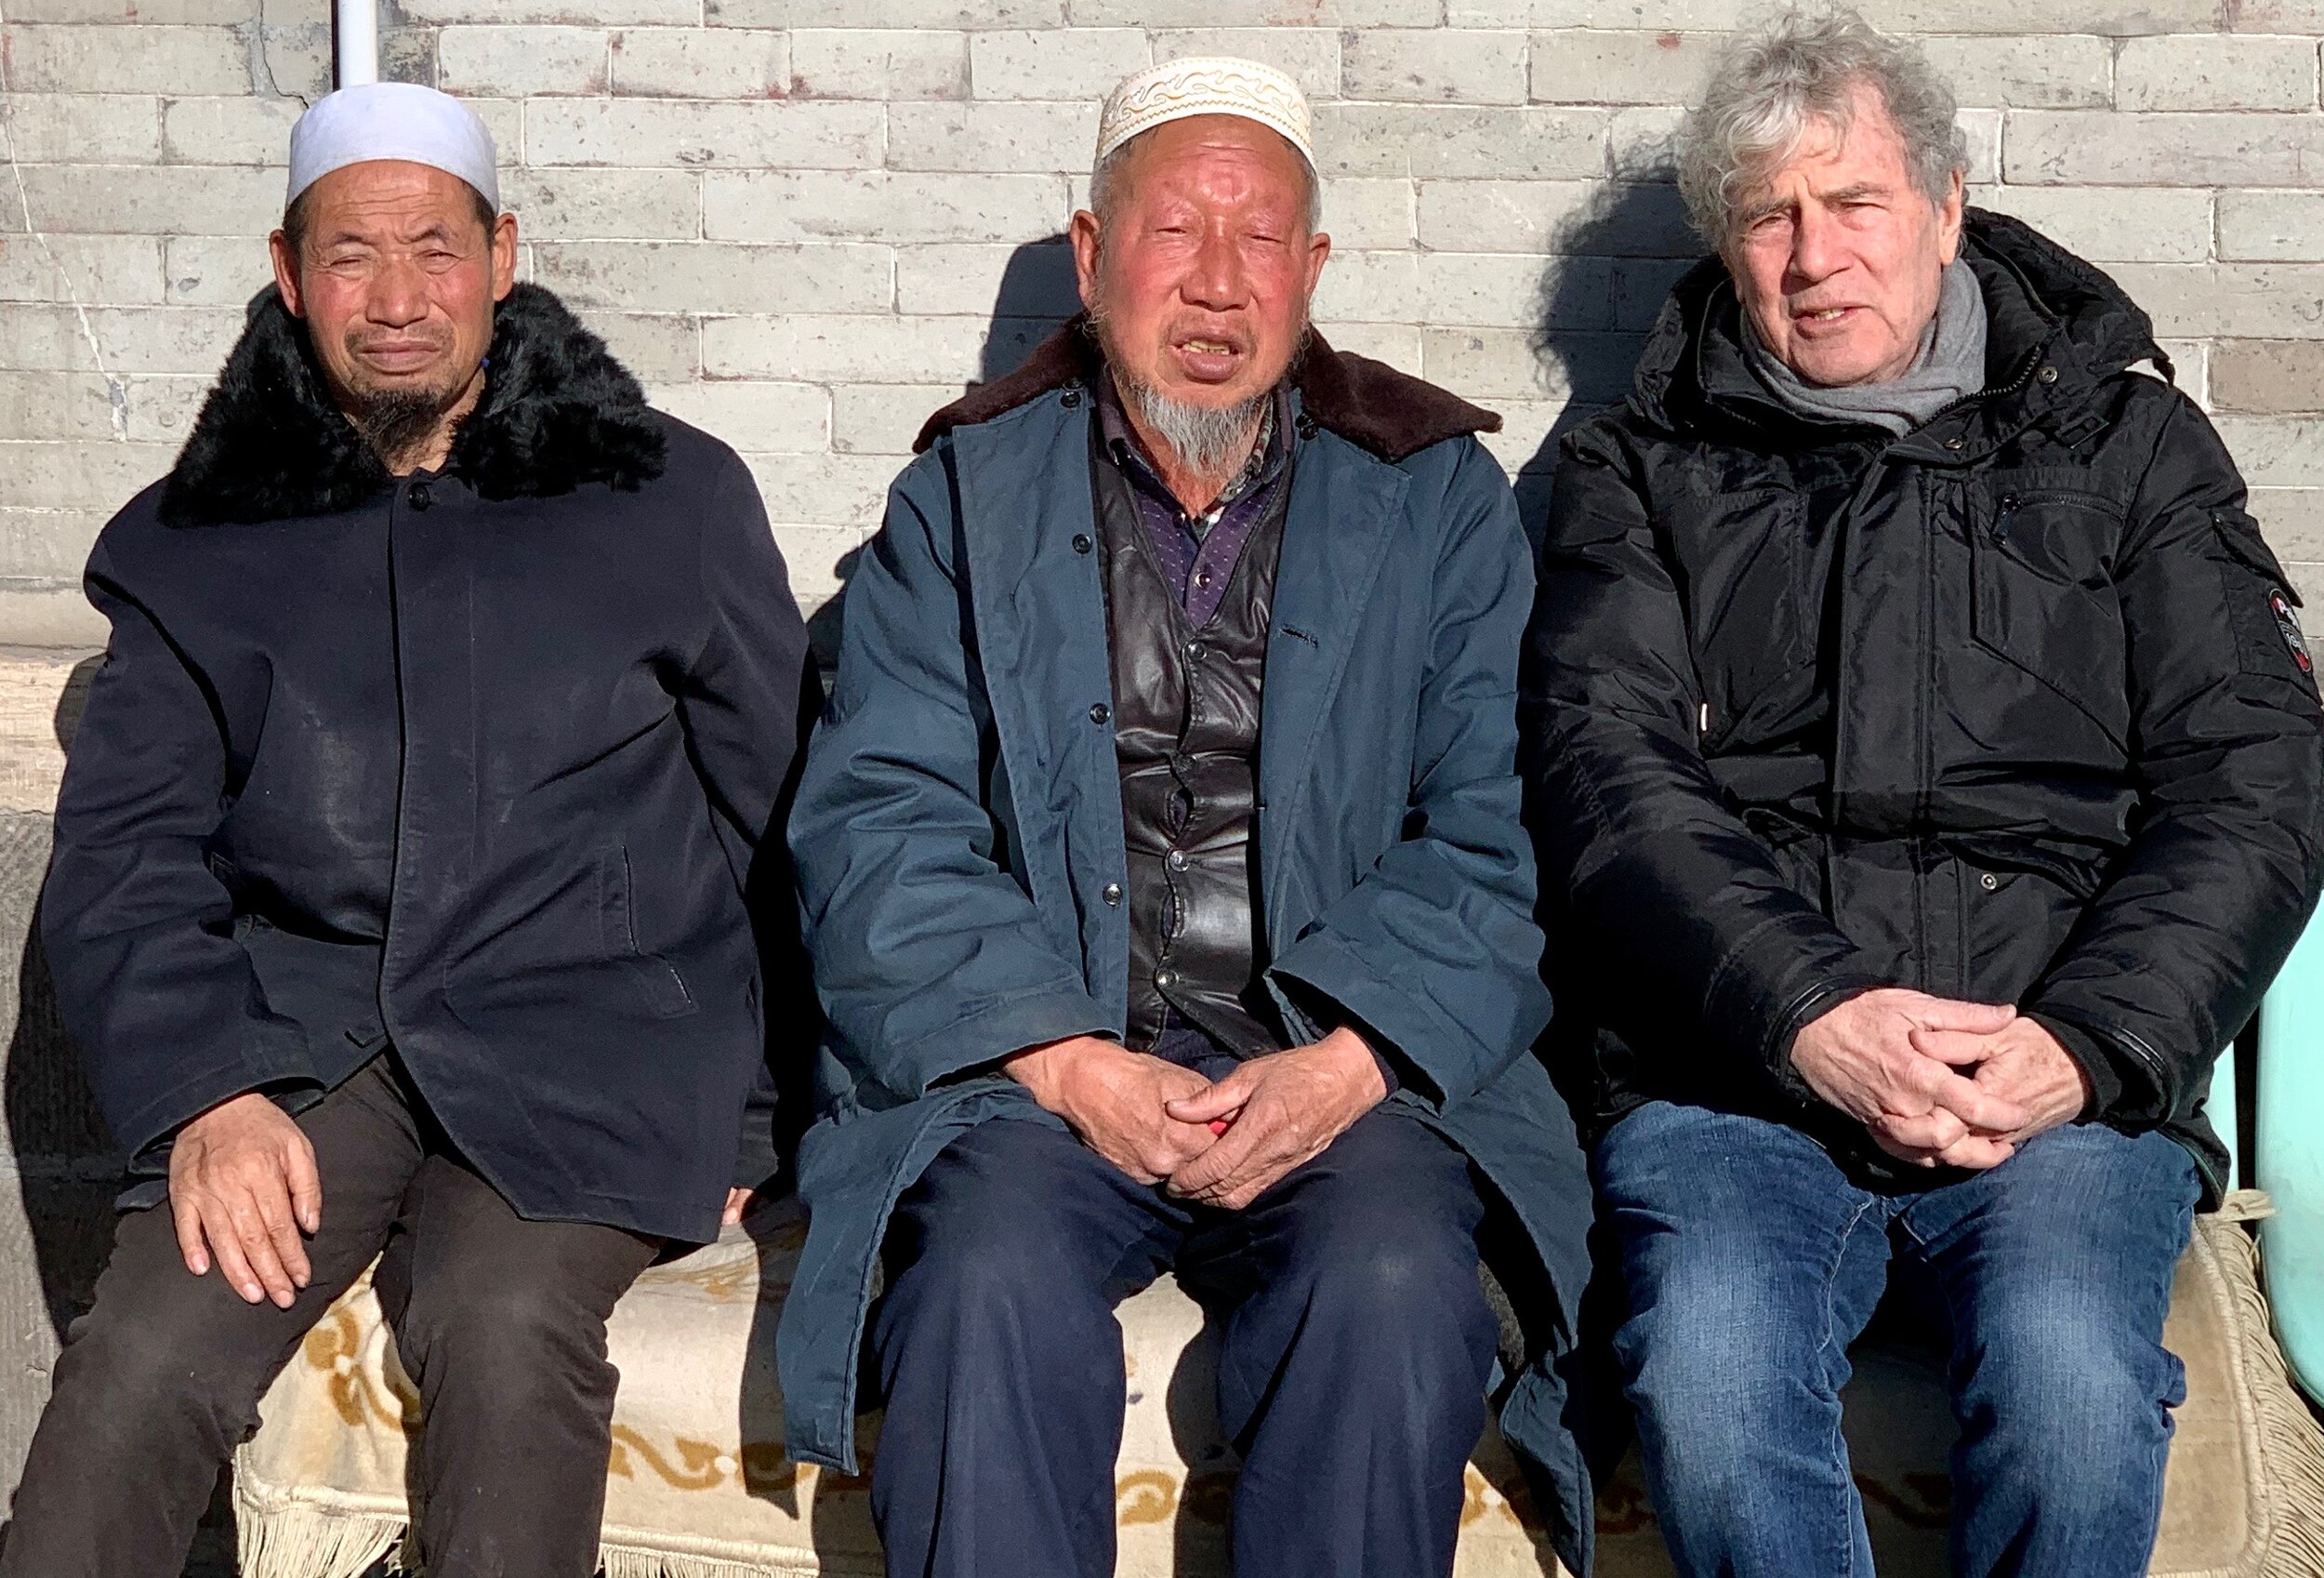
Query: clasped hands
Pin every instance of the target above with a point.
(1938, 1081)
(1219, 1143)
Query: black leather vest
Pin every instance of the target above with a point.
(1186, 704)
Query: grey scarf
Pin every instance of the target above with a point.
(1949, 367)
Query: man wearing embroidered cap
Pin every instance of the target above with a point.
(1162, 873)
(398, 897)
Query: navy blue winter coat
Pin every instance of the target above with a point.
(477, 763)
(959, 823)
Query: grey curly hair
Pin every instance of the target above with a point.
(1771, 86)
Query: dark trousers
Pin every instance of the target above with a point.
(1355, 1346)
(500, 1321)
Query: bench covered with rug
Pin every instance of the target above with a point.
(698, 1485)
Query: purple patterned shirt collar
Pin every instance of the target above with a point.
(1197, 552)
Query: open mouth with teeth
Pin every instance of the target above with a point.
(1812, 320)
(1209, 358)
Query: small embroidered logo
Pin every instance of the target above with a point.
(2288, 626)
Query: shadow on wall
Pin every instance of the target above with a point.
(1037, 294)
(67, 1164)
(1613, 261)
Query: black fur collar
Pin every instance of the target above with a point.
(558, 411)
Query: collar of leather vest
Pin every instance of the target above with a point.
(1369, 403)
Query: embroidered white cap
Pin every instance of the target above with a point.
(391, 120)
(1206, 86)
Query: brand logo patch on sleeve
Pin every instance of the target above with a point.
(2288, 626)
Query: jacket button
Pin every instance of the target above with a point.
(1112, 894)
(1100, 713)
(1071, 398)
(1956, 443)
(421, 496)
(1176, 860)
(1165, 978)
(2048, 375)
(1988, 882)
(1193, 652)
(1082, 543)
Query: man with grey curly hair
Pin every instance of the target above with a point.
(1926, 762)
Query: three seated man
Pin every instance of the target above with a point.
(1919, 749)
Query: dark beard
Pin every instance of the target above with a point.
(398, 423)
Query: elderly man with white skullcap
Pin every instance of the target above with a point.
(1163, 881)
(399, 897)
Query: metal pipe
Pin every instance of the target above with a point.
(356, 37)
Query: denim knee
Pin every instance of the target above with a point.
(2077, 1397)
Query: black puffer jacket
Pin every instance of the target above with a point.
(2013, 708)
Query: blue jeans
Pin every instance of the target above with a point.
(1751, 1263)
(1354, 1344)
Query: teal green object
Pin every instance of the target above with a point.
(2288, 1147)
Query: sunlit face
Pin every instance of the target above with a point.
(1200, 275)
(1838, 252)
(396, 278)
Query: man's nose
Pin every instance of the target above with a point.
(1816, 250)
(1215, 282)
(399, 294)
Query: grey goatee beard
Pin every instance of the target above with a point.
(1207, 440)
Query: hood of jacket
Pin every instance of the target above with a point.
(1369, 403)
(558, 411)
(2041, 299)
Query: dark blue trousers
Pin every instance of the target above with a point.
(1752, 1263)
(1355, 1346)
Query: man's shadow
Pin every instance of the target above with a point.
(68, 1169)
(1612, 262)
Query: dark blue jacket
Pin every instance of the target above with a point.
(959, 823)
(477, 763)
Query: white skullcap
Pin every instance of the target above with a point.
(1208, 86)
(391, 120)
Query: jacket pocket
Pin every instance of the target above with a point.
(2271, 649)
(1746, 609)
(657, 980)
(2044, 600)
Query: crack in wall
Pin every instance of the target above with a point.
(116, 393)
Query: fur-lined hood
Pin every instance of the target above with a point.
(1369, 403)
(558, 411)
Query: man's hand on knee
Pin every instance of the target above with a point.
(1867, 1057)
(242, 1187)
(1282, 1110)
(1115, 1099)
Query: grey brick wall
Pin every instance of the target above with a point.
(808, 222)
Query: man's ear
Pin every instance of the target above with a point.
(1948, 217)
(1083, 233)
(285, 262)
(504, 248)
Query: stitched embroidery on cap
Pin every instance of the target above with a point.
(2288, 626)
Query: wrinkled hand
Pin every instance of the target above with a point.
(1281, 1111)
(1861, 1058)
(1115, 1099)
(737, 1201)
(242, 1187)
(2023, 1065)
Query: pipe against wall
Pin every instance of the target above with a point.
(356, 36)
